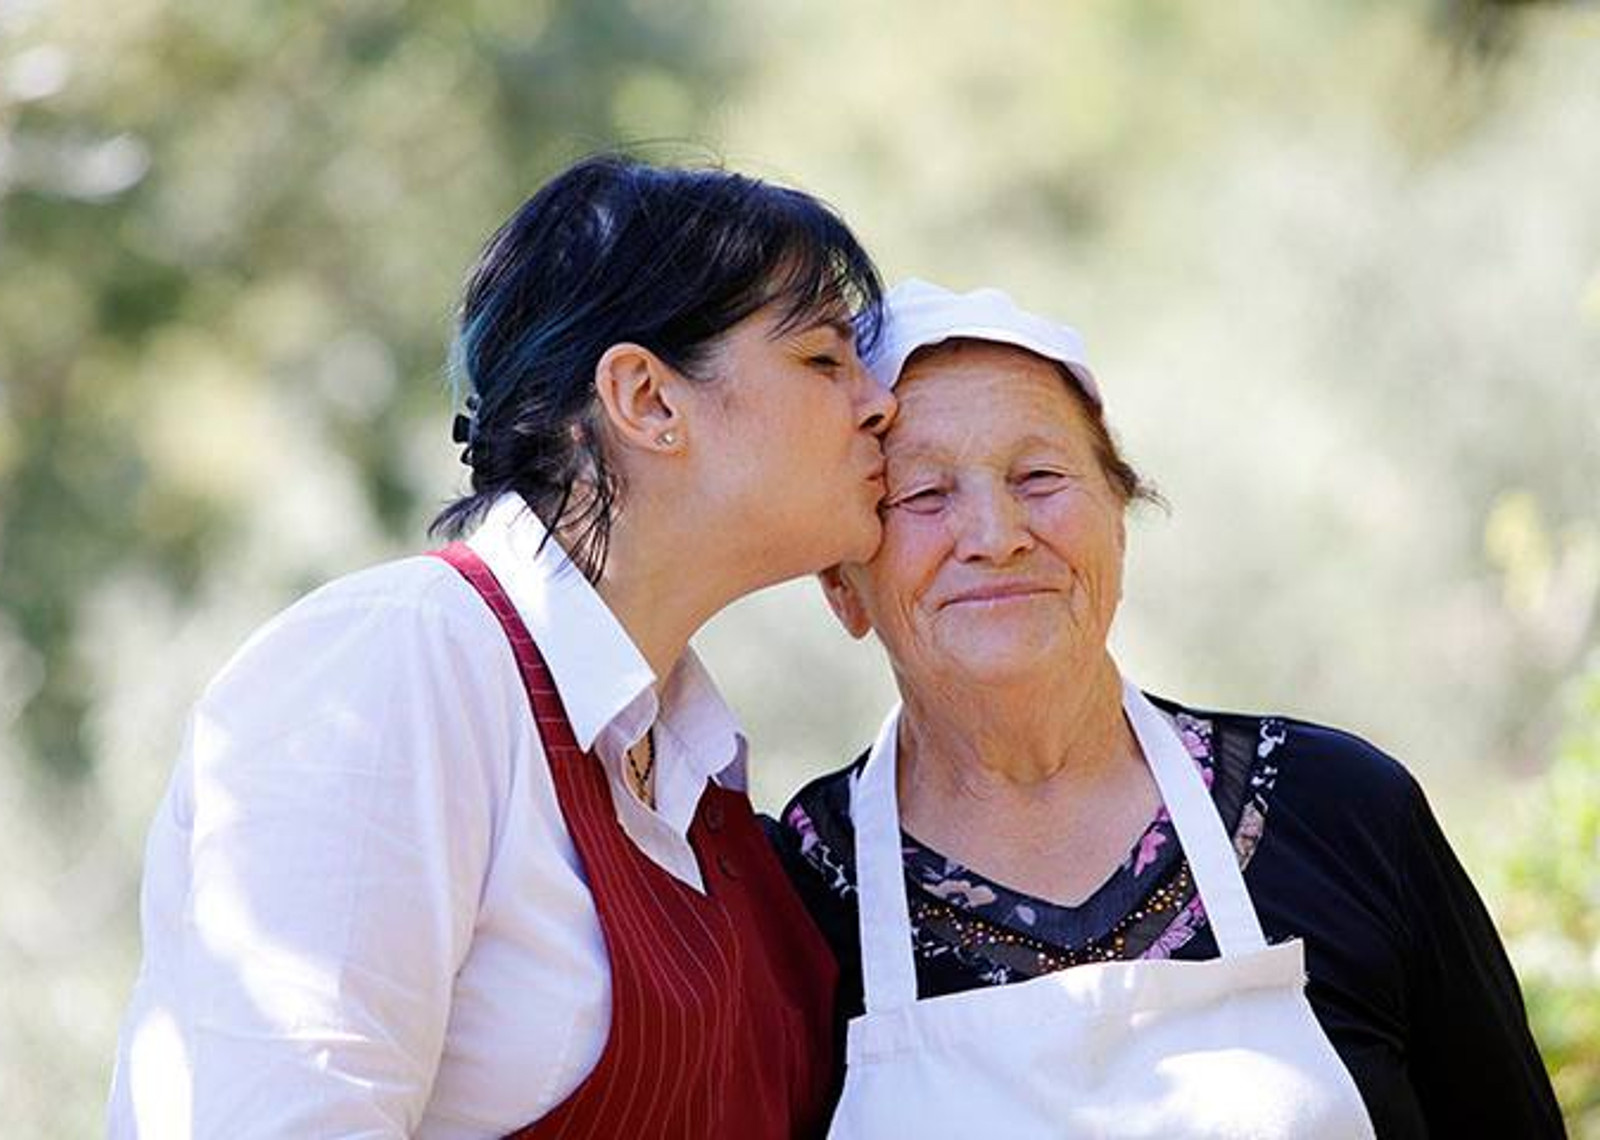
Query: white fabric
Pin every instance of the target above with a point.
(1227, 1048)
(363, 914)
(917, 313)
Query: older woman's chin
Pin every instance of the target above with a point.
(993, 660)
(995, 644)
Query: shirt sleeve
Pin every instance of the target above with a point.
(1474, 1064)
(337, 794)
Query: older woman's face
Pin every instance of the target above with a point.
(1003, 541)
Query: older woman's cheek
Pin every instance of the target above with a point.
(1105, 594)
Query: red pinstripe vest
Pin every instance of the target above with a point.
(722, 1003)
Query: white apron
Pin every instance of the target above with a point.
(1226, 1048)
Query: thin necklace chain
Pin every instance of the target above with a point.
(643, 772)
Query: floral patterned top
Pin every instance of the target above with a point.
(987, 933)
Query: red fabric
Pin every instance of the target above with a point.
(722, 1004)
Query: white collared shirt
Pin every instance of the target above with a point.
(362, 911)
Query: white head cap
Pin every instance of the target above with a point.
(916, 314)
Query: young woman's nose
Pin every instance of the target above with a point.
(875, 404)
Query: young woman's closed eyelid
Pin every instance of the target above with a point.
(828, 355)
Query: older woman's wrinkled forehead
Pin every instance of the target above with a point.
(930, 355)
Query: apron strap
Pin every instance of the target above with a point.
(1205, 842)
(888, 964)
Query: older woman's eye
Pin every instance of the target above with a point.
(826, 362)
(919, 501)
(1042, 481)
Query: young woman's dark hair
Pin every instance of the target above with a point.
(615, 249)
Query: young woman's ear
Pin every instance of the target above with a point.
(639, 393)
(844, 601)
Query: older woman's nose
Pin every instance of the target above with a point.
(993, 525)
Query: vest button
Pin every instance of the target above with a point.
(713, 816)
(726, 866)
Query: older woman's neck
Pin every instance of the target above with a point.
(1042, 790)
(966, 738)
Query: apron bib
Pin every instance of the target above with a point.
(721, 1002)
(1226, 1049)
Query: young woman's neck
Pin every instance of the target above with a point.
(662, 582)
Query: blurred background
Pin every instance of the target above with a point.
(1338, 262)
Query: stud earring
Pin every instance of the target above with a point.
(669, 439)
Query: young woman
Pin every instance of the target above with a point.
(458, 846)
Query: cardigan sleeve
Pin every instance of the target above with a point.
(1474, 1064)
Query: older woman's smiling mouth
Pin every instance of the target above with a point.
(993, 593)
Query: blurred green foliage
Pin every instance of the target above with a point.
(203, 205)
(1337, 259)
(1549, 890)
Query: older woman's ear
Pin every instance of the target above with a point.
(844, 601)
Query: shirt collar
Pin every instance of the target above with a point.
(596, 667)
(605, 684)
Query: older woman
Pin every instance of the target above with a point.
(1067, 909)
(459, 846)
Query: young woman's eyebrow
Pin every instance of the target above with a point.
(839, 325)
